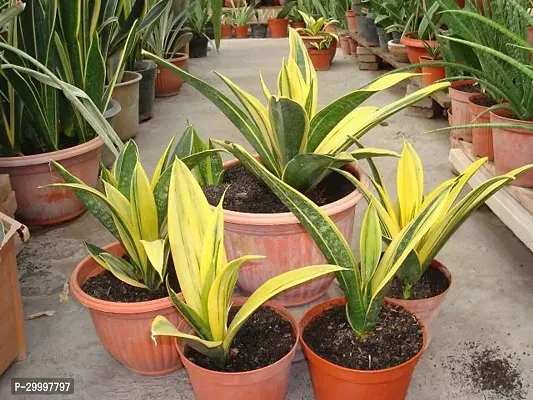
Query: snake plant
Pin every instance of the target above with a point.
(134, 209)
(206, 277)
(295, 140)
(363, 282)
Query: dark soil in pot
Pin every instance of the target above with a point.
(109, 288)
(198, 47)
(264, 339)
(484, 102)
(248, 194)
(468, 88)
(396, 339)
(431, 284)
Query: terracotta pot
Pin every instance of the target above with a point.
(398, 51)
(285, 243)
(431, 74)
(451, 122)
(481, 137)
(268, 383)
(241, 32)
(427, 310)
(331, 381)
(345, 45)
(461, 113)
(415, 47)
(309, 40)
(278, 27)
(168, 83)
(353, 46)
(48, 206)
(297, 24)
(126, 123)
(226, 31)
(321, 59)
(352, 23)
(12, 341)
(512, 147)
(124, 328)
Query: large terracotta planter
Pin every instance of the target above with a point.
(333, 382)
(168, 83)
(278, 27)
(268, 383)
(512, 147)
(431, 74)
(481, 137)
(126, 123)
(286, 244)
(460, 110)
(427, 310)
(48, 206)
(12, 341)
(321, 59)
(415, 47)
(124, 328)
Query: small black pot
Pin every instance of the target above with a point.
(198, 47)
(383, 38)
(259, 30)
(210, 30)
(148, 71)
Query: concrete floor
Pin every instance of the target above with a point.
(491, 300)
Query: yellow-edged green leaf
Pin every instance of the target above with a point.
(143, 207)
(370, 243)
(163, 327)
(162, 163)
(410, 189)
(121, 269)
(157, 253)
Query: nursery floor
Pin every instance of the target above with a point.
(488, 311)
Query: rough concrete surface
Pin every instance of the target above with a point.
(491, 300)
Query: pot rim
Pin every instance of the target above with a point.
(464, 82)
(410, 41)
(392, 44)
(280, 310)
(287, 218)
(135, 77)
(342, 301)
(277, 20)
(496, 116)
(476, 108)
(110, 306)
(447, 274)
(180, 57)
(58, 155)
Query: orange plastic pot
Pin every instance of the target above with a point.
(481, 137)
(333, 382)
(278, 27)
(49, 206)
(125, 328)
(241, 31)
(226, 31)
(427, 310)
(286, 244)
(512, 147)
(345, 45)
(415, 47)
(321, 59)
(431, 74)
(352, 22)
(268, 383)
(309, 40)
(460, 109)
(297, 24)
(168, 83)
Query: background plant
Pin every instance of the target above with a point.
(207, 278)
(200, 13)
(134, 209)
(296, 141)
(242, 15)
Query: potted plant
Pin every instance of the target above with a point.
(381, 343)
(422, 282)
(209, 343)
(240, 17)
(167, 38)
(198, 18)
(320, 53)
(227, 25)
(315, 36)
(260, 27)
(419, 30)
(319, 139)
(431, 73)
(122, 283)
(12, 339)
(479, 107)
(57, 122)
(278, 25)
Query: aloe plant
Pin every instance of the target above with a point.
(296, 141)
(207, 278)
